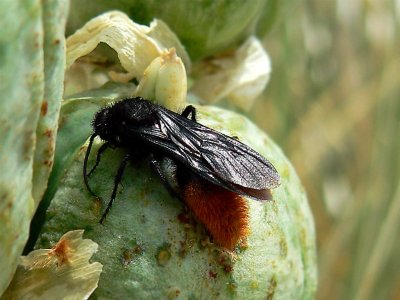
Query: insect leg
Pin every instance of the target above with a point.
(156, 166)
(85, 176)
(117, 180)
(99, 152)
(190, 109)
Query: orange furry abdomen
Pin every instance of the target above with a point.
(223, 213)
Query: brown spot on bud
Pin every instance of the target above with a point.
(44, 107)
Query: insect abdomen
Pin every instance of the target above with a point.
(222, 212)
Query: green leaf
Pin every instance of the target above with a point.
(54, 19)
(31, 80)
(21, 89)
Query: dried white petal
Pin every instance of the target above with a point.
(240, 78)
(136, 45)
(63, 272)
(167, 39)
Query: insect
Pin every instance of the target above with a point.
(213, 169)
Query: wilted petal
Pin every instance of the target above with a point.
(167, 39)
(240, 77)
(58, 273)
(136, 45)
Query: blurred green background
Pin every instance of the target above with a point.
(333, 104)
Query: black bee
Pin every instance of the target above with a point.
(144, 128)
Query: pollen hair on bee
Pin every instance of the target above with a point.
(224, 214)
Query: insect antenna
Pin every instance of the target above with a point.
(85, 175)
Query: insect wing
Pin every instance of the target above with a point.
(212, 155)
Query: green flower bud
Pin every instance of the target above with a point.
(153, 248)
